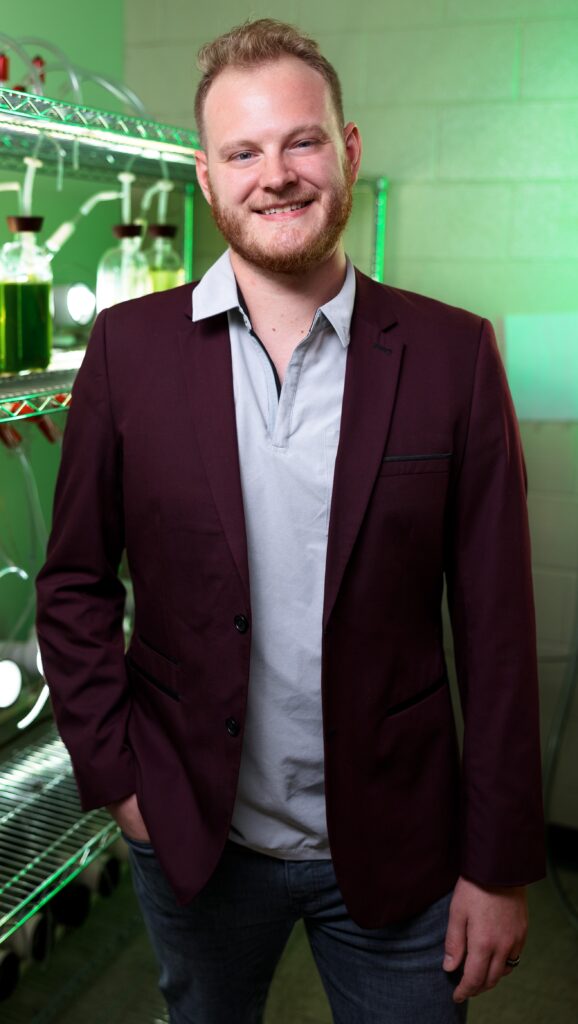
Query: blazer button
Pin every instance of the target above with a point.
(233, 727)
(241, 623)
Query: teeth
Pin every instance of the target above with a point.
(284, 209)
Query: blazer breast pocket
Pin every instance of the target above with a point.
(410, 464)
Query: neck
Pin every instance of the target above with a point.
(289, 296)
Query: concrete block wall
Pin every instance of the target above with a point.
(470, 108)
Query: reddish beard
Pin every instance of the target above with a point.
(292, 260)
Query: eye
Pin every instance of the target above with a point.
(242, 157)
(304, 143)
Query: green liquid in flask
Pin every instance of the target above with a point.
(25, 326)
(163, 279)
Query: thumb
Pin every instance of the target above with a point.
(455, 944)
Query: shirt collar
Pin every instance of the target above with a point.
(217, 293)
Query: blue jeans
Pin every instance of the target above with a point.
(217, 955)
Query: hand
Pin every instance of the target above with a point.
(129, 819)
(487, 926)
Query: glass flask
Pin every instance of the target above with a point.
(165, 265)
(123, 271)
(25, 299)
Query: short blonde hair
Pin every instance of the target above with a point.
(261, 42)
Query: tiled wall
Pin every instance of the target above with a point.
(470, 108)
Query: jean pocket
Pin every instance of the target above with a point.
(140, 845)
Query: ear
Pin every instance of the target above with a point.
(202, 173)
(352, 142)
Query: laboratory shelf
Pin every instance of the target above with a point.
(45, 838)
(23, 396)
(90, 142)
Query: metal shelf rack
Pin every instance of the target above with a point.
(23, 396)
(79, 142)
(42, 828)
(45, 838)
(89, 142)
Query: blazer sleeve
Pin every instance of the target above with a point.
(491, 606)
(80, 599)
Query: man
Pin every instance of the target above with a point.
(293, 464)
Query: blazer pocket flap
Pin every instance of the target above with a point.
(418, 698)
(432, 462)
(154, 667)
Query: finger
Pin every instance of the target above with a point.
(508, 968)
(498, 969)
(474, 977)
(455, 941)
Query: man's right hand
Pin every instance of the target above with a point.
(129, 819)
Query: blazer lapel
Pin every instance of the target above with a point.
(206, 358)
(373, 366)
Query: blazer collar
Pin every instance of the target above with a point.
(217, 292)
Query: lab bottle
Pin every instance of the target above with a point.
(165, 265)
(123, 271)
(25, 299)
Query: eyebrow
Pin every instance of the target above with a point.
(313, 128)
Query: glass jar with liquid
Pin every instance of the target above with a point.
(123, 271)
(25, 299)
(165, 265)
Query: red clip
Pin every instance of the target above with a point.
(51, 432)
(62, 399)
(21, 409)
(9, 436)
(40, 64)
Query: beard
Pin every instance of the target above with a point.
(285, 256)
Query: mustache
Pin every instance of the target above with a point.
(281, 200)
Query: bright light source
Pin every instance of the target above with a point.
(81, 303)
(10, 683)
(74, 306)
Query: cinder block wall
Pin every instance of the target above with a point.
(470, 108)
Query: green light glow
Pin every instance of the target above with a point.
(381, 186)
(55, 880)
(189, 205)
(541, 357)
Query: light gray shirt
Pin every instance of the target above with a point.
(287, 442)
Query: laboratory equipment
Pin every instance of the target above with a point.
(165, 265)
(123, 271)
(25, 299)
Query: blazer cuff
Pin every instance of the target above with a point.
(100, 786)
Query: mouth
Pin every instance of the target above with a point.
(285, 209)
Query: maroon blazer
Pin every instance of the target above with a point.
(429, 482)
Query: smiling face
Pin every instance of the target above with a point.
(278, 171)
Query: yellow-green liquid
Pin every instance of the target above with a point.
(163, 279)
(25, 326)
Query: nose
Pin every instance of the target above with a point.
(277, 172)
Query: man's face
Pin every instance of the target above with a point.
(278, 170)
